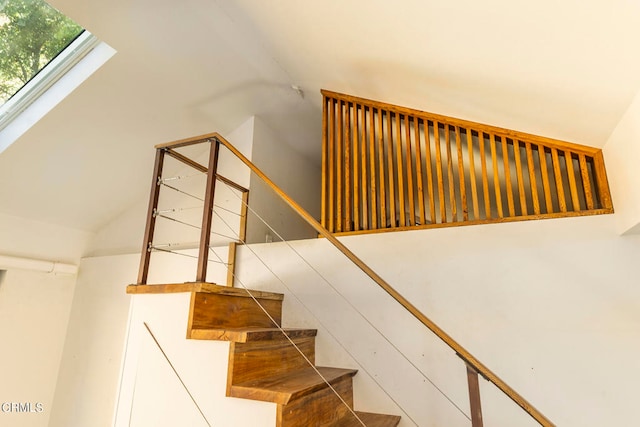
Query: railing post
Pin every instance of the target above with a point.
(145, 257)
(474, 397)
(207, 214)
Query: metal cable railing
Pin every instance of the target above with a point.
(473, 366)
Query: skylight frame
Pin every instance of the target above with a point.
(47, 77)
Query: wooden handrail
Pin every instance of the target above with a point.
(448, 340)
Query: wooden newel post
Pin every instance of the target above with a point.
(474, 397)
(145, 257)
(207, 214)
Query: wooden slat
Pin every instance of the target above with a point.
(339, 169)
(372, 170)
(356, 170)
(332, 164)
(382, 197)
(601, 178)
(205, 230)
(496, 177)
(474, 397)
(562, 202)
(410, 196)
(586, 181)
(231, 264)
(521, 193)
(419, 179)
(392, 196)
(347, 168)
(436, 137)
(244, 210)
(472, 175)
(485, 178)
(532, 179)
(463, 186)
(545, 179)
(400, 171)
(325, 148)
(573, 188)
(448, 340)
(507, 177)
(430, 192)
(450, 180)
(363, 169)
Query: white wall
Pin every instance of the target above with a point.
(622, 156)
(292, 172)
(26, 238)
(124, 233)
(152, 395)
(34, 311)
(90, 366)
(551, 306)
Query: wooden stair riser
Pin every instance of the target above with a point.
(227, 311)
(320, 409)
(255, 360)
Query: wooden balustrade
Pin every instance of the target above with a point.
(386, 167)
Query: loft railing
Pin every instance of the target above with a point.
(472, 365)
(386, 167)
(212, 177)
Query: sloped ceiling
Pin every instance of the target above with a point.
(566, 70)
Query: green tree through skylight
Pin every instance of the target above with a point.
(32, 33)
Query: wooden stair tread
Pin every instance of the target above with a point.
(289, 386)
(201, 287)
(249, 334)
(370, 420)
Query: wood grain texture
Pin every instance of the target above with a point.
(250, 334)
(321, 408)
(409, 162)
(586, 181)
(290, 386)
(256, 360)
(430, 191)
(544, 172)
(211, 288)
(520, 178)
(325, 162)
(532, 179)
(219, 310)
(573, 188)
(369, 420)
(472, 175)
(392, 196)
(419, 179)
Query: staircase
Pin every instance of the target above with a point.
(263, 363)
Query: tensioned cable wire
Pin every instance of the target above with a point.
(197, 198)
(185, 255)
(281, 329)
(177, 374)
(193, 226)
(351, 305)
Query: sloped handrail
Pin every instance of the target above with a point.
(468, 358)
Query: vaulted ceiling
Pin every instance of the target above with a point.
(566, 70)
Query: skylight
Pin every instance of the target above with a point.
(32, 33)
(44, 56)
